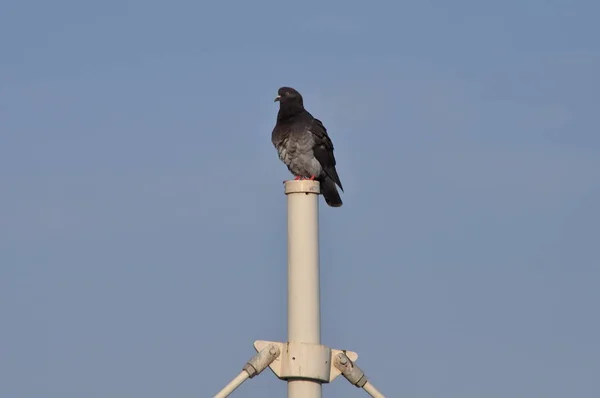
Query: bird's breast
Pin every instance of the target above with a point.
(285, 151)
(295, 146)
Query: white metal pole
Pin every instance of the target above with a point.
(304, 312)
(235, 383)
(372, 391)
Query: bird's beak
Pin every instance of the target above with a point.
(277, 98)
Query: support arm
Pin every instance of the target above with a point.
(235, 383)
(254, 367)
(355, 375)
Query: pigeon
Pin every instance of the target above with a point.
(303, 145)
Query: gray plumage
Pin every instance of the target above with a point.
(304, 146)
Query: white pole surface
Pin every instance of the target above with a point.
(304, 312)
(372, 391)
(235, 383)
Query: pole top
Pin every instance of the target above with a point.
(302, 186)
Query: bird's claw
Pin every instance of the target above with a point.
(296, 178)
(302, 178)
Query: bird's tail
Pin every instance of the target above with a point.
(330, 192)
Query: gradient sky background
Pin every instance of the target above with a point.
(143, 230)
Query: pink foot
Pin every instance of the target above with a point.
(302, 178)
(296, 178)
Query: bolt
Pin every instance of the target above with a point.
(273, 351)
(343, 359)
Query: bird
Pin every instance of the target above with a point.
(304, 146)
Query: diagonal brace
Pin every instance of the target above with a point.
(355, 375)
(253, 367)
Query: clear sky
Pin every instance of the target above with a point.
(142, 214)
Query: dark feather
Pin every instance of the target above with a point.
(323, 151)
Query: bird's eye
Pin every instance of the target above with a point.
(287, 93)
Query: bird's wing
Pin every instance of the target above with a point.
(323, 150)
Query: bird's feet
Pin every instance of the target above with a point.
(302, 178)
(296, 178)
(311, 178)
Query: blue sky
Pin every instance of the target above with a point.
(143, 231)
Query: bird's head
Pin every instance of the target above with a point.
(288, 95)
